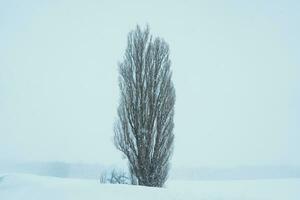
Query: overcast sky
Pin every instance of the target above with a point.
(236, 70)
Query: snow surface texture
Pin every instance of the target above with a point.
(22, 186)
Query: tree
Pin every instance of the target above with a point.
(144, 127)
(114, 176)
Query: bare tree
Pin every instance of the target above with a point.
(144, 128)
(114, 177)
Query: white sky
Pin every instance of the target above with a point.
(236, 69)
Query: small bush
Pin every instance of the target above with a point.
(114, 177)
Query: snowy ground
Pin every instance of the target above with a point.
(32, 187)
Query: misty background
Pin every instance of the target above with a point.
(236, 71)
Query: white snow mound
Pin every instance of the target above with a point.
(23, 186)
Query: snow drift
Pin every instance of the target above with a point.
(23, 186)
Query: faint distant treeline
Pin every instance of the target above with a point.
(56, 169)
(236, 173)
(94, 171)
